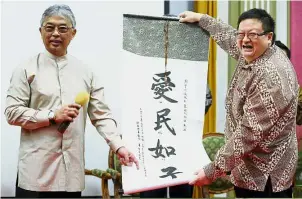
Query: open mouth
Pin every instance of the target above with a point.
(247, 46)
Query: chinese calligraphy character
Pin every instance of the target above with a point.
(159, 149)
(161, 118)
(161, 86)
(169, 172)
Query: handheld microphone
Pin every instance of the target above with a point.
(80, 99)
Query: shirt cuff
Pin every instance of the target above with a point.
(116, 144)
(209, 171)
(42, 117)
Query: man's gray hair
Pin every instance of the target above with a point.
(59, 10)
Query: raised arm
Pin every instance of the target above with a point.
(222, 33)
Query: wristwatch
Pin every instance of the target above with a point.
(51, 117)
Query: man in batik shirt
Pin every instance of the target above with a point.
(260, 152)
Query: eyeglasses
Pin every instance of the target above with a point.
(61, 29)
(250, 35)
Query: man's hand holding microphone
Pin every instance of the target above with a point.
(66, 114)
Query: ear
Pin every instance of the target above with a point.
(40, 30)
(74, 32)
(270, 36)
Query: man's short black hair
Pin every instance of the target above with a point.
(283, 47)
(268, 23)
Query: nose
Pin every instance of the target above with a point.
(56, 32)
(245, 38)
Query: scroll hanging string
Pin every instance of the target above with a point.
(166, 43)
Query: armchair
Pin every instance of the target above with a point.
(212, 142)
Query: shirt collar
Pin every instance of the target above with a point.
(56, 58)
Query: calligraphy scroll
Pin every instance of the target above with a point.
(163, 100)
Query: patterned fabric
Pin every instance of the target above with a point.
(117, 164)
(98, 172)
(114, 166)
(299, 110)
(212, 144)
(298, 176)
(297, 192)
(261, 107)
(147, 39)
(113, 173)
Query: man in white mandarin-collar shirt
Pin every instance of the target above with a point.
(40, 97)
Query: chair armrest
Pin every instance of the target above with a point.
(98, 173)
